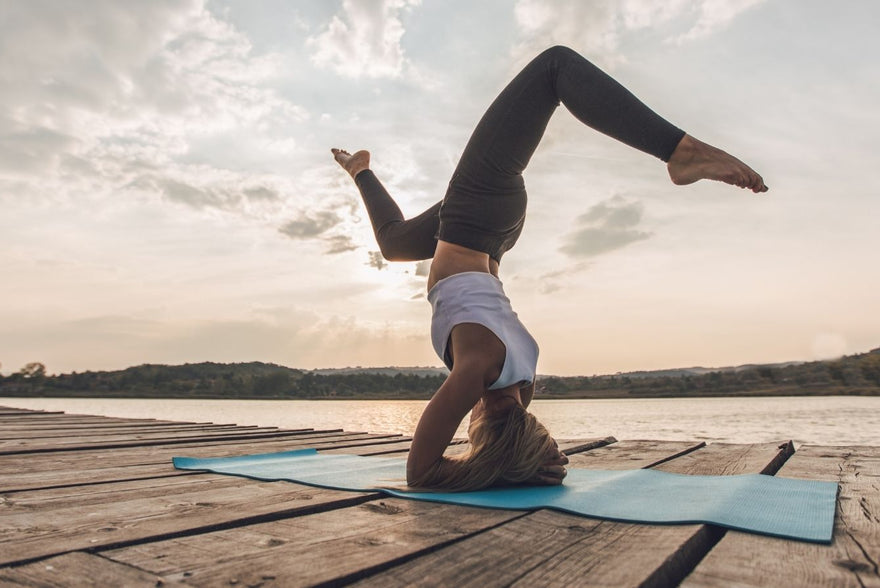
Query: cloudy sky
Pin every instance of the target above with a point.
(167, 193)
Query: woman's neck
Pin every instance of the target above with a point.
(450, 259)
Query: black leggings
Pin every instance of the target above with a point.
(485, 204)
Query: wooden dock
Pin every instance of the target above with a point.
(88, 500)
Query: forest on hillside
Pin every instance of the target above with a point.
(850, 375)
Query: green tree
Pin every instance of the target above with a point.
(34, 369)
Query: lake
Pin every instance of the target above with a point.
(823, 420)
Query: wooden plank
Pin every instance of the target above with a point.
(9, 411)
(26, 435)
(572, 447)
(101, 426)
(83, 477)
(108, 427)
(548, 548)
(96, 472)
(91, 469)
(26, 447)
(74, 418)
(43, 523)
(631, 455)
(567, 446)
(400, 447)
(9, 445)
(78, 569)
(323, 548)
(124, 456)
(853, 557)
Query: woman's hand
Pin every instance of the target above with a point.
(552, 471)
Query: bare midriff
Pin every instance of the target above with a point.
(450, 259)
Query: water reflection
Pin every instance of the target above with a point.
(825, 420)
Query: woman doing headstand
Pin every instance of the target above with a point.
(491, 356)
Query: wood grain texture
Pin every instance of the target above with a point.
(852, 558)
(36, 433)
(627, 455)
(121, 515)
(548, 548)
(78, 470)
(41, 523)
(78, 569)
(32, 466)
(19, 445)
(175, 446)
(567, 446)
(328, 547)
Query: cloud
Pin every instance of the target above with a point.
(605, 227)
(377, 261)
(201, 188)
(713, 16)
(590, 27)
(340, 244)
(423, 268)
(117, 98)
(598, 28)
(310, 224)
(556, 280)
(363, 40)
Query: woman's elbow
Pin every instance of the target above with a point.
(412, 473)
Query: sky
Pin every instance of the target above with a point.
(167, 194)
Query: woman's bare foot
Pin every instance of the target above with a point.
(353, 164)
(694, 160)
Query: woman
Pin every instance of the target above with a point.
(491, 356)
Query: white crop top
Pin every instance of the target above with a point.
(478, 297)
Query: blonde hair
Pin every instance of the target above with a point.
(505, 448)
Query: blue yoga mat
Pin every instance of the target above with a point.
(781, 507)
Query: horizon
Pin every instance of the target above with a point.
(169, 195)
(440, 368)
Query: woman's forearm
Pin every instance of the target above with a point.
(439, 421)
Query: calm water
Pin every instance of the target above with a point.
(826, 420)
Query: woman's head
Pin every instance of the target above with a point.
(506, 447)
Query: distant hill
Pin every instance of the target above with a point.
(700, 371)
(851, 375)
(386, 371)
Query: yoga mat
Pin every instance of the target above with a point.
(781, 507)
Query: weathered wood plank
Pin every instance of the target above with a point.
(328, 547)
(853, 557)
(43, 461)
(9, 445)
(61, 471)
(47, 434)
(85, 421)
(572, 447)
(547, 548)
(78, 569)
(42, 523)
(29, 447)
(567, 446)
(9, 411)
(74, 418)
(630, 455)
(83, 477)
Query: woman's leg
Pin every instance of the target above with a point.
(398, 239)
(510, 131)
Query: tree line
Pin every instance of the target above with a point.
(851, 375)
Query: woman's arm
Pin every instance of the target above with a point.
(478, 356)
(438, 423)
